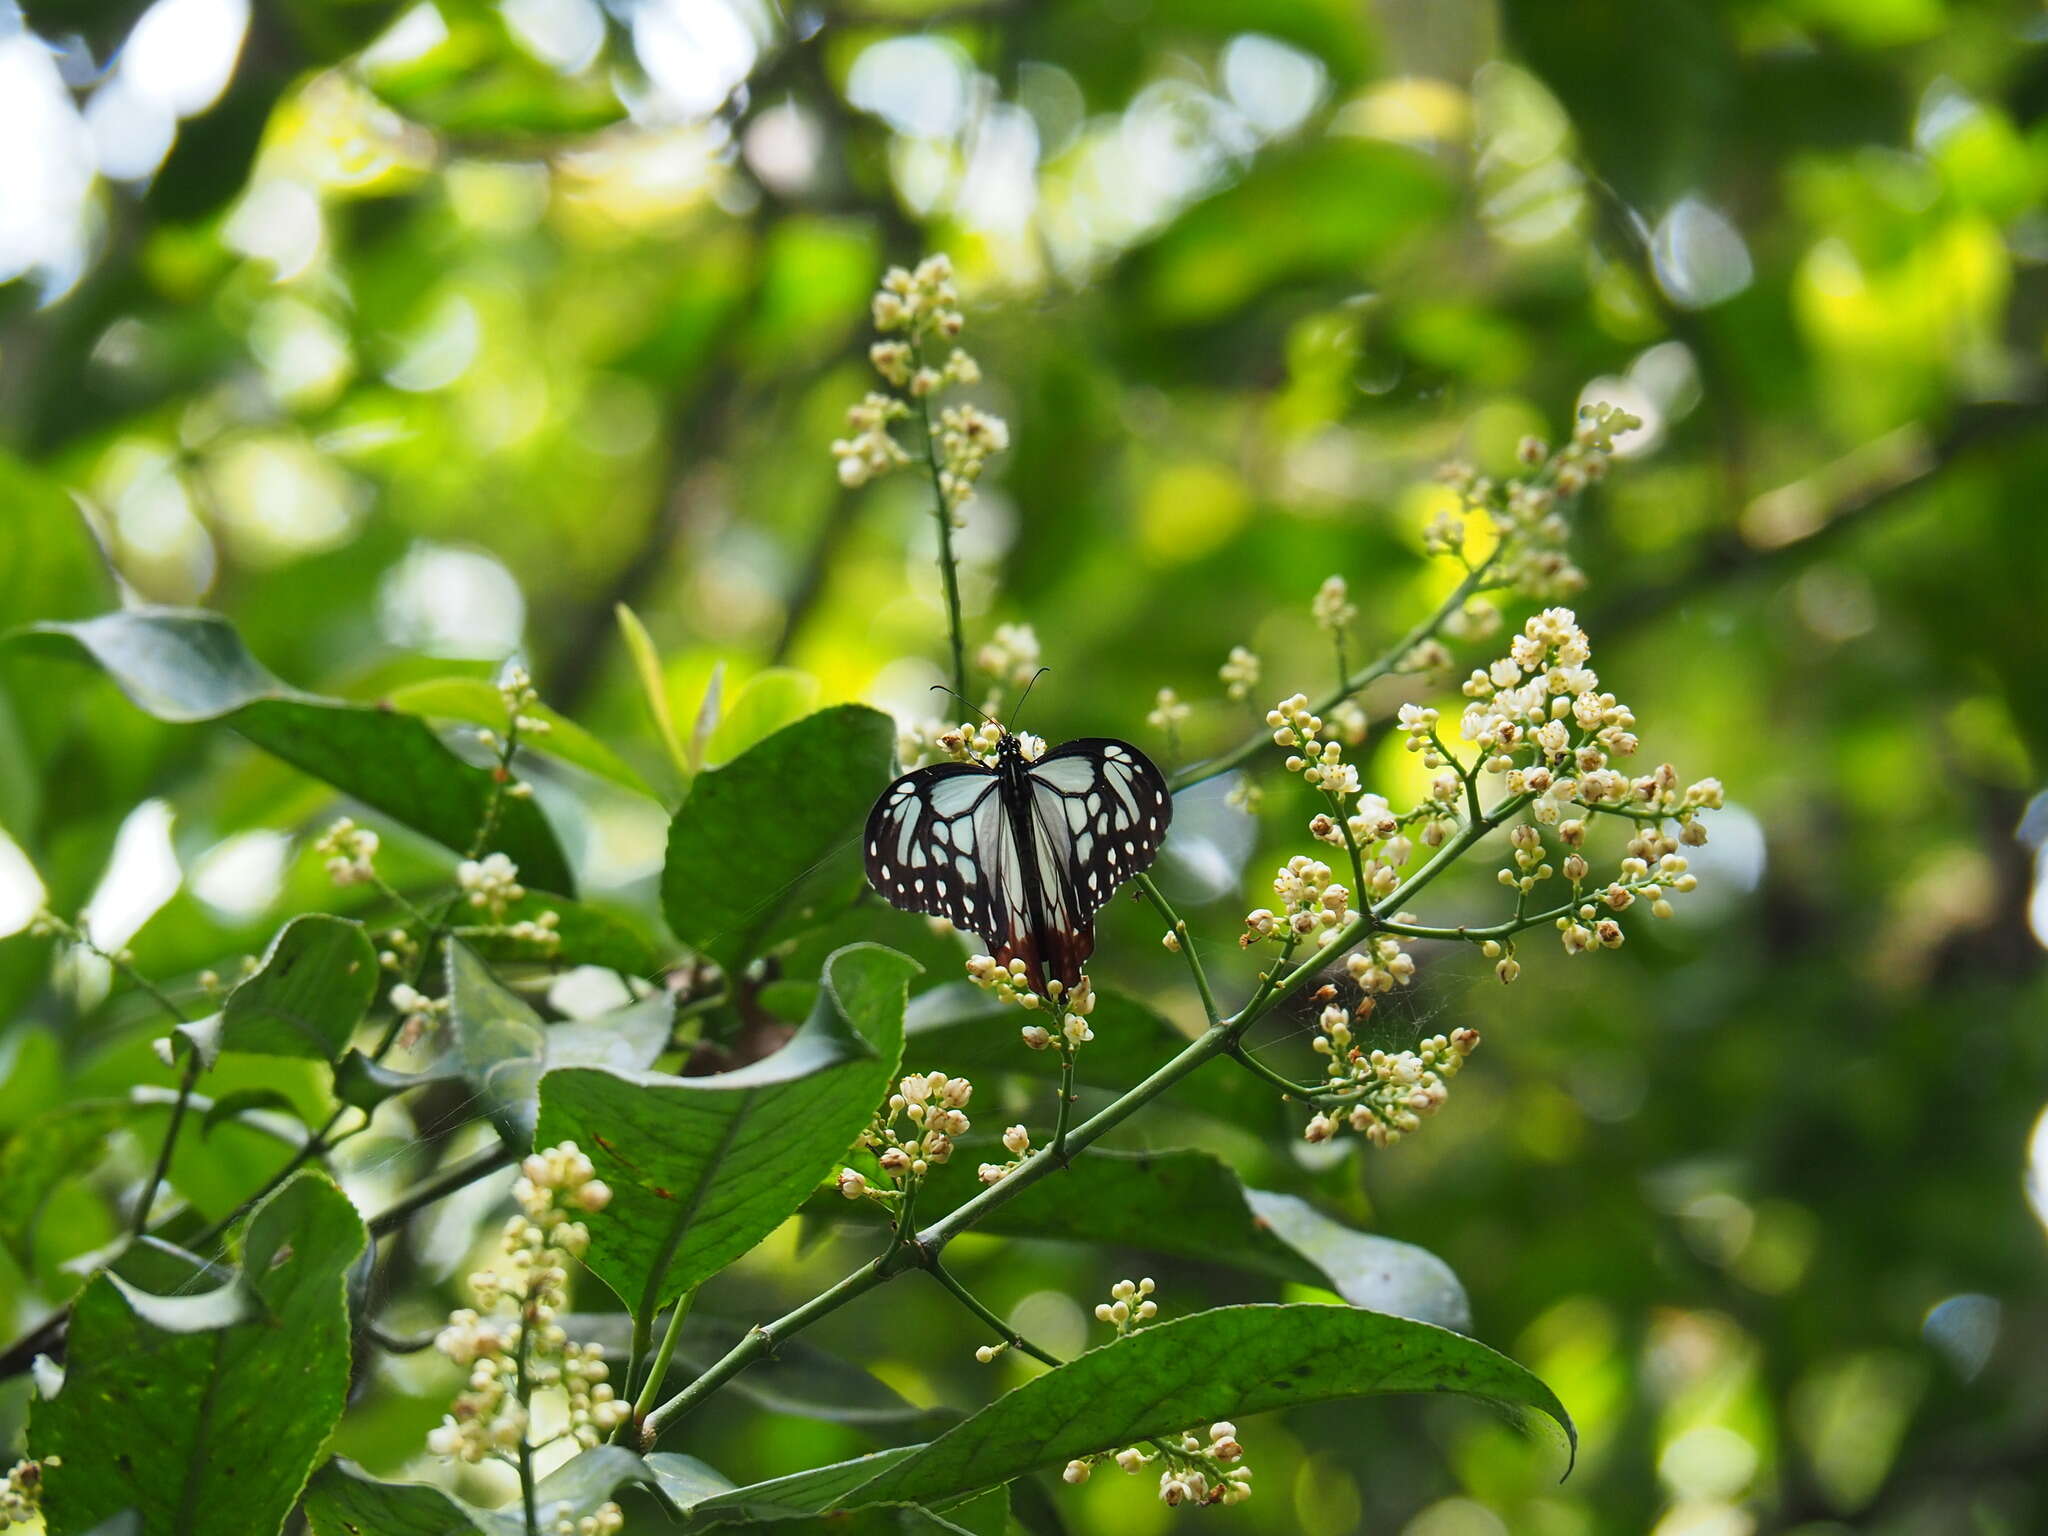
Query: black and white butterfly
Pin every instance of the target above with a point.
(1023, 854)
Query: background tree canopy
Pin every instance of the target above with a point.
(409, 336)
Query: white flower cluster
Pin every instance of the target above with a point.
(515, 688)
(1318, 760)
(490, 883)
(421, 1014)
(21, 1496)
(1333, 608)
(1168, 711)
(1391, 1093)
(1129, 1307)
(920, 309)
(1240, 672)
(872, 448)
(351, 853)
(932, 1102)
(511, 1340)
(1011, 656)
(1528, 514)
(1312, 903)
(1017, 1142)
(1010, 984)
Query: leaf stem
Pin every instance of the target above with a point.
(1001, 1329)
(949, 572)
(442, 1185)
(657, 1370)
(139, 1222)
(1179, 929)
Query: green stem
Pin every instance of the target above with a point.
(526, 1479)
(1179, 930)
(1001, 1329)
(139, 1223)
(949, 572)
(1388, 662)
(1305, 1092)
(1065, 1113)
(460, 1176)
(657, 1370)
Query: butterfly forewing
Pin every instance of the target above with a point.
(939, 843)
(1022, 856)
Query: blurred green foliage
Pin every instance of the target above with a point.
(407, 358)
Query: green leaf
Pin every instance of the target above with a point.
(769, 840)
(475, 701)
(1220, 1364)
(185, 666)
(703, 1168)
(218, 1426)
(58, 1144)
(1381, 1274)
(246, 1101)
(316, 982)
(684, 1480)
(501, 1046)
(344, 1500)
(653, 687)
(767, 701)
(1189, 1204)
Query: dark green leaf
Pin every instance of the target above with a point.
(703, 1168)
(502, 1046)
(244, 1101)
(1378, 1273)
(315, 984)
(1225, 1363)
(766, 843)
(1189, 1204)
(56, 1145)
(186, 665)
(475, 701)
(344, 1500)
(220, 1426)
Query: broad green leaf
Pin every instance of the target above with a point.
(1220, 1364)
(315, 984)
(218, 1426)
(501, 1046)
(653, 687)
(767, 842)
(703, 1168)
(344, 1500)
(767, 701)
(186, 666)
(1190, 1204)
(245, 1102)
(476, 701)
(684, 1480)
(1381, 1274)
(58, 1144)
(708, 710)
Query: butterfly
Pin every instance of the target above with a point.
(1025, 853)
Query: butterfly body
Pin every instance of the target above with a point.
(1023, 853)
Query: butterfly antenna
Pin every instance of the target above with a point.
(1025, 695)
(942, 688)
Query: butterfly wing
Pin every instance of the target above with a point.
(938, 842)
(1099, 811)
